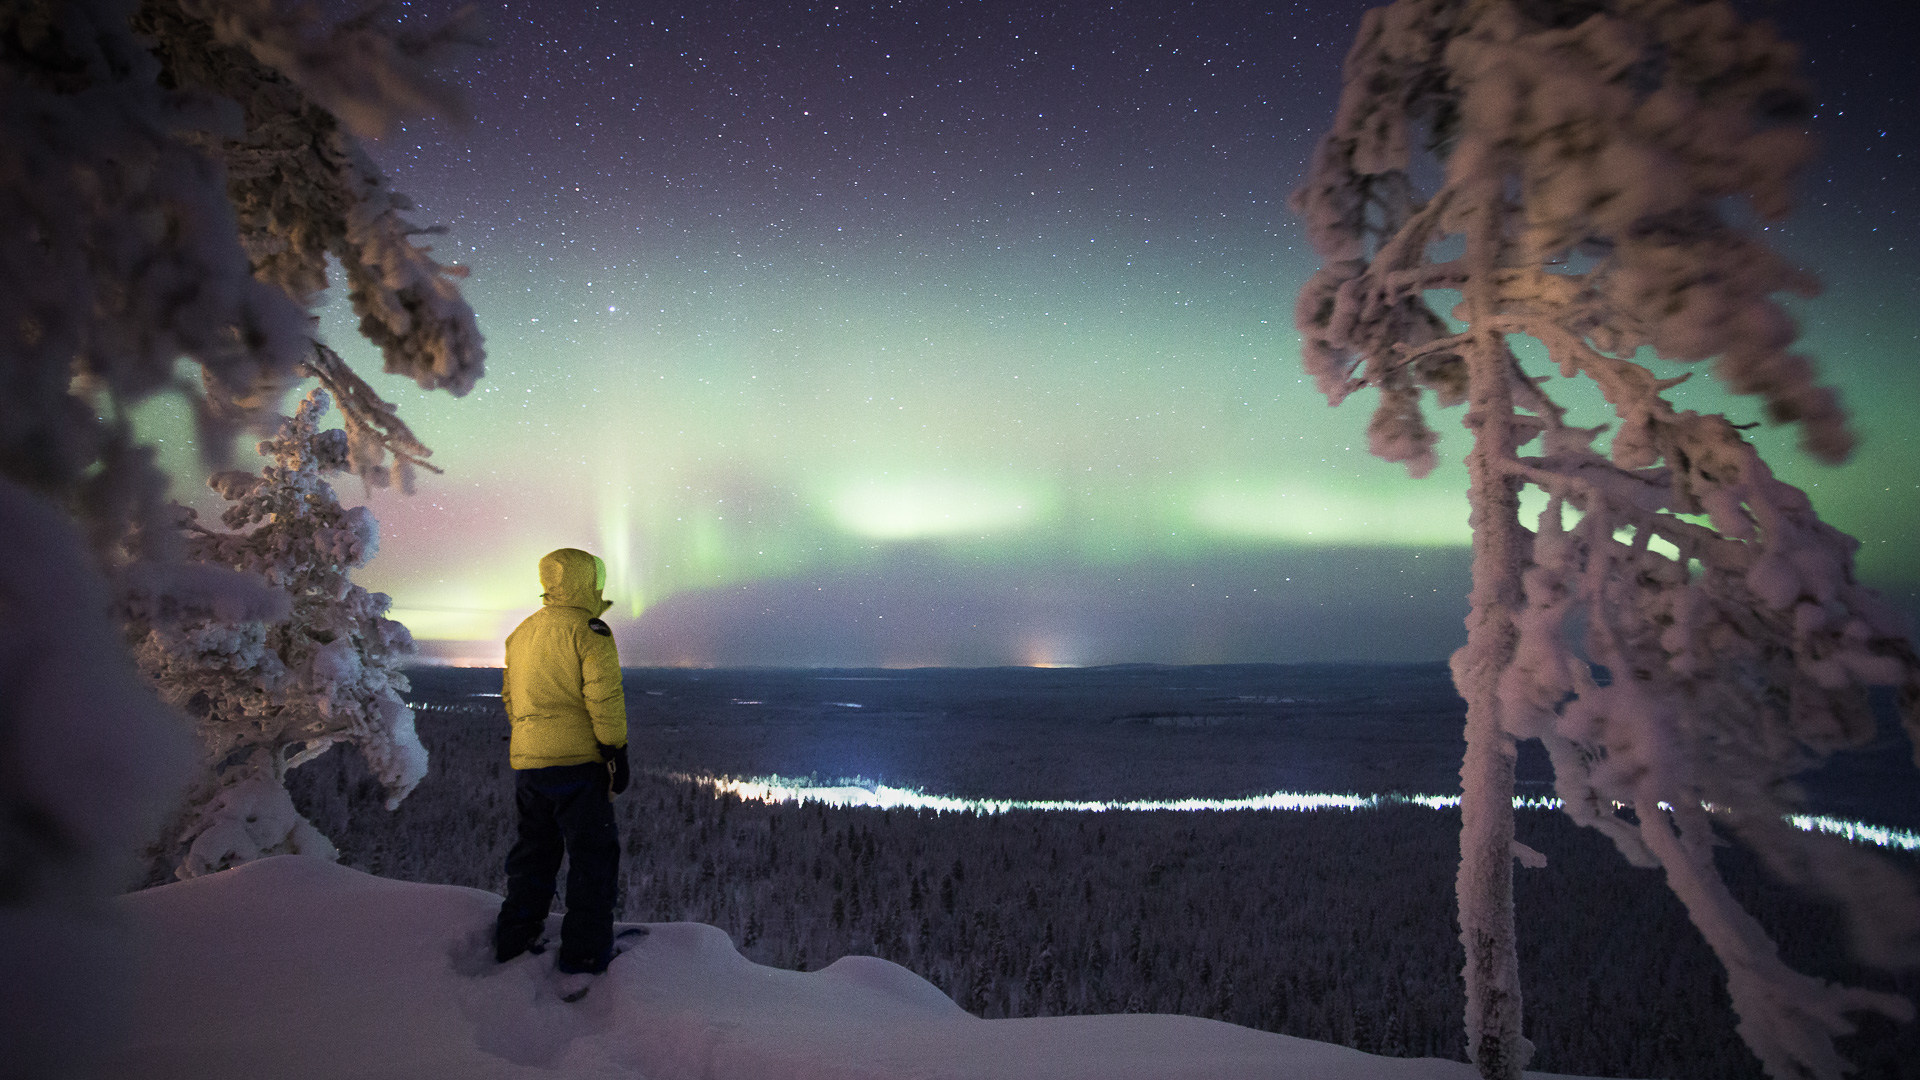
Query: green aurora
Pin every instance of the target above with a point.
(825, 405)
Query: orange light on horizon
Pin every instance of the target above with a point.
(1046, 651)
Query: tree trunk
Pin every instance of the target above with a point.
(1485, 888)
(1501, 550)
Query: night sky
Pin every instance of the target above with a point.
(961, 333)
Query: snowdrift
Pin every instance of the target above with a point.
(298, 967)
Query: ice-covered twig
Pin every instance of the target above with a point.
(374, 428)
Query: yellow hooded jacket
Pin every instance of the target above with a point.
(561, 686)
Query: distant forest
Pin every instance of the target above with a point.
(1330, 925)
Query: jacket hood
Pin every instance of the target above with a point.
(570, 577)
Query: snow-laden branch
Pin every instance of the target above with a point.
(176, 178)
(371, 76)
(298, 178)
(374, 428)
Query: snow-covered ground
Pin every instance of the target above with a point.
(296, 967)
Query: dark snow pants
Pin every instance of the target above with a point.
(563, 809)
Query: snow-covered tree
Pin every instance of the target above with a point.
(267, 695)
(1680, 629)
(176, 174)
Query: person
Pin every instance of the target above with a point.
(562, 692)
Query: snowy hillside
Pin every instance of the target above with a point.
(296, 967)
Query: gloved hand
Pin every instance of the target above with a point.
(617, 774)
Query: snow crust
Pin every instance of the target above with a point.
(297, 967)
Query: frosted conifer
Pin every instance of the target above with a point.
(268, 695)
(1681, 630)
(176, 174)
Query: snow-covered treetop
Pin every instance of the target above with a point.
(1617, 134)
(328, 669)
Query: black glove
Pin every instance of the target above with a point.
(617, 774)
